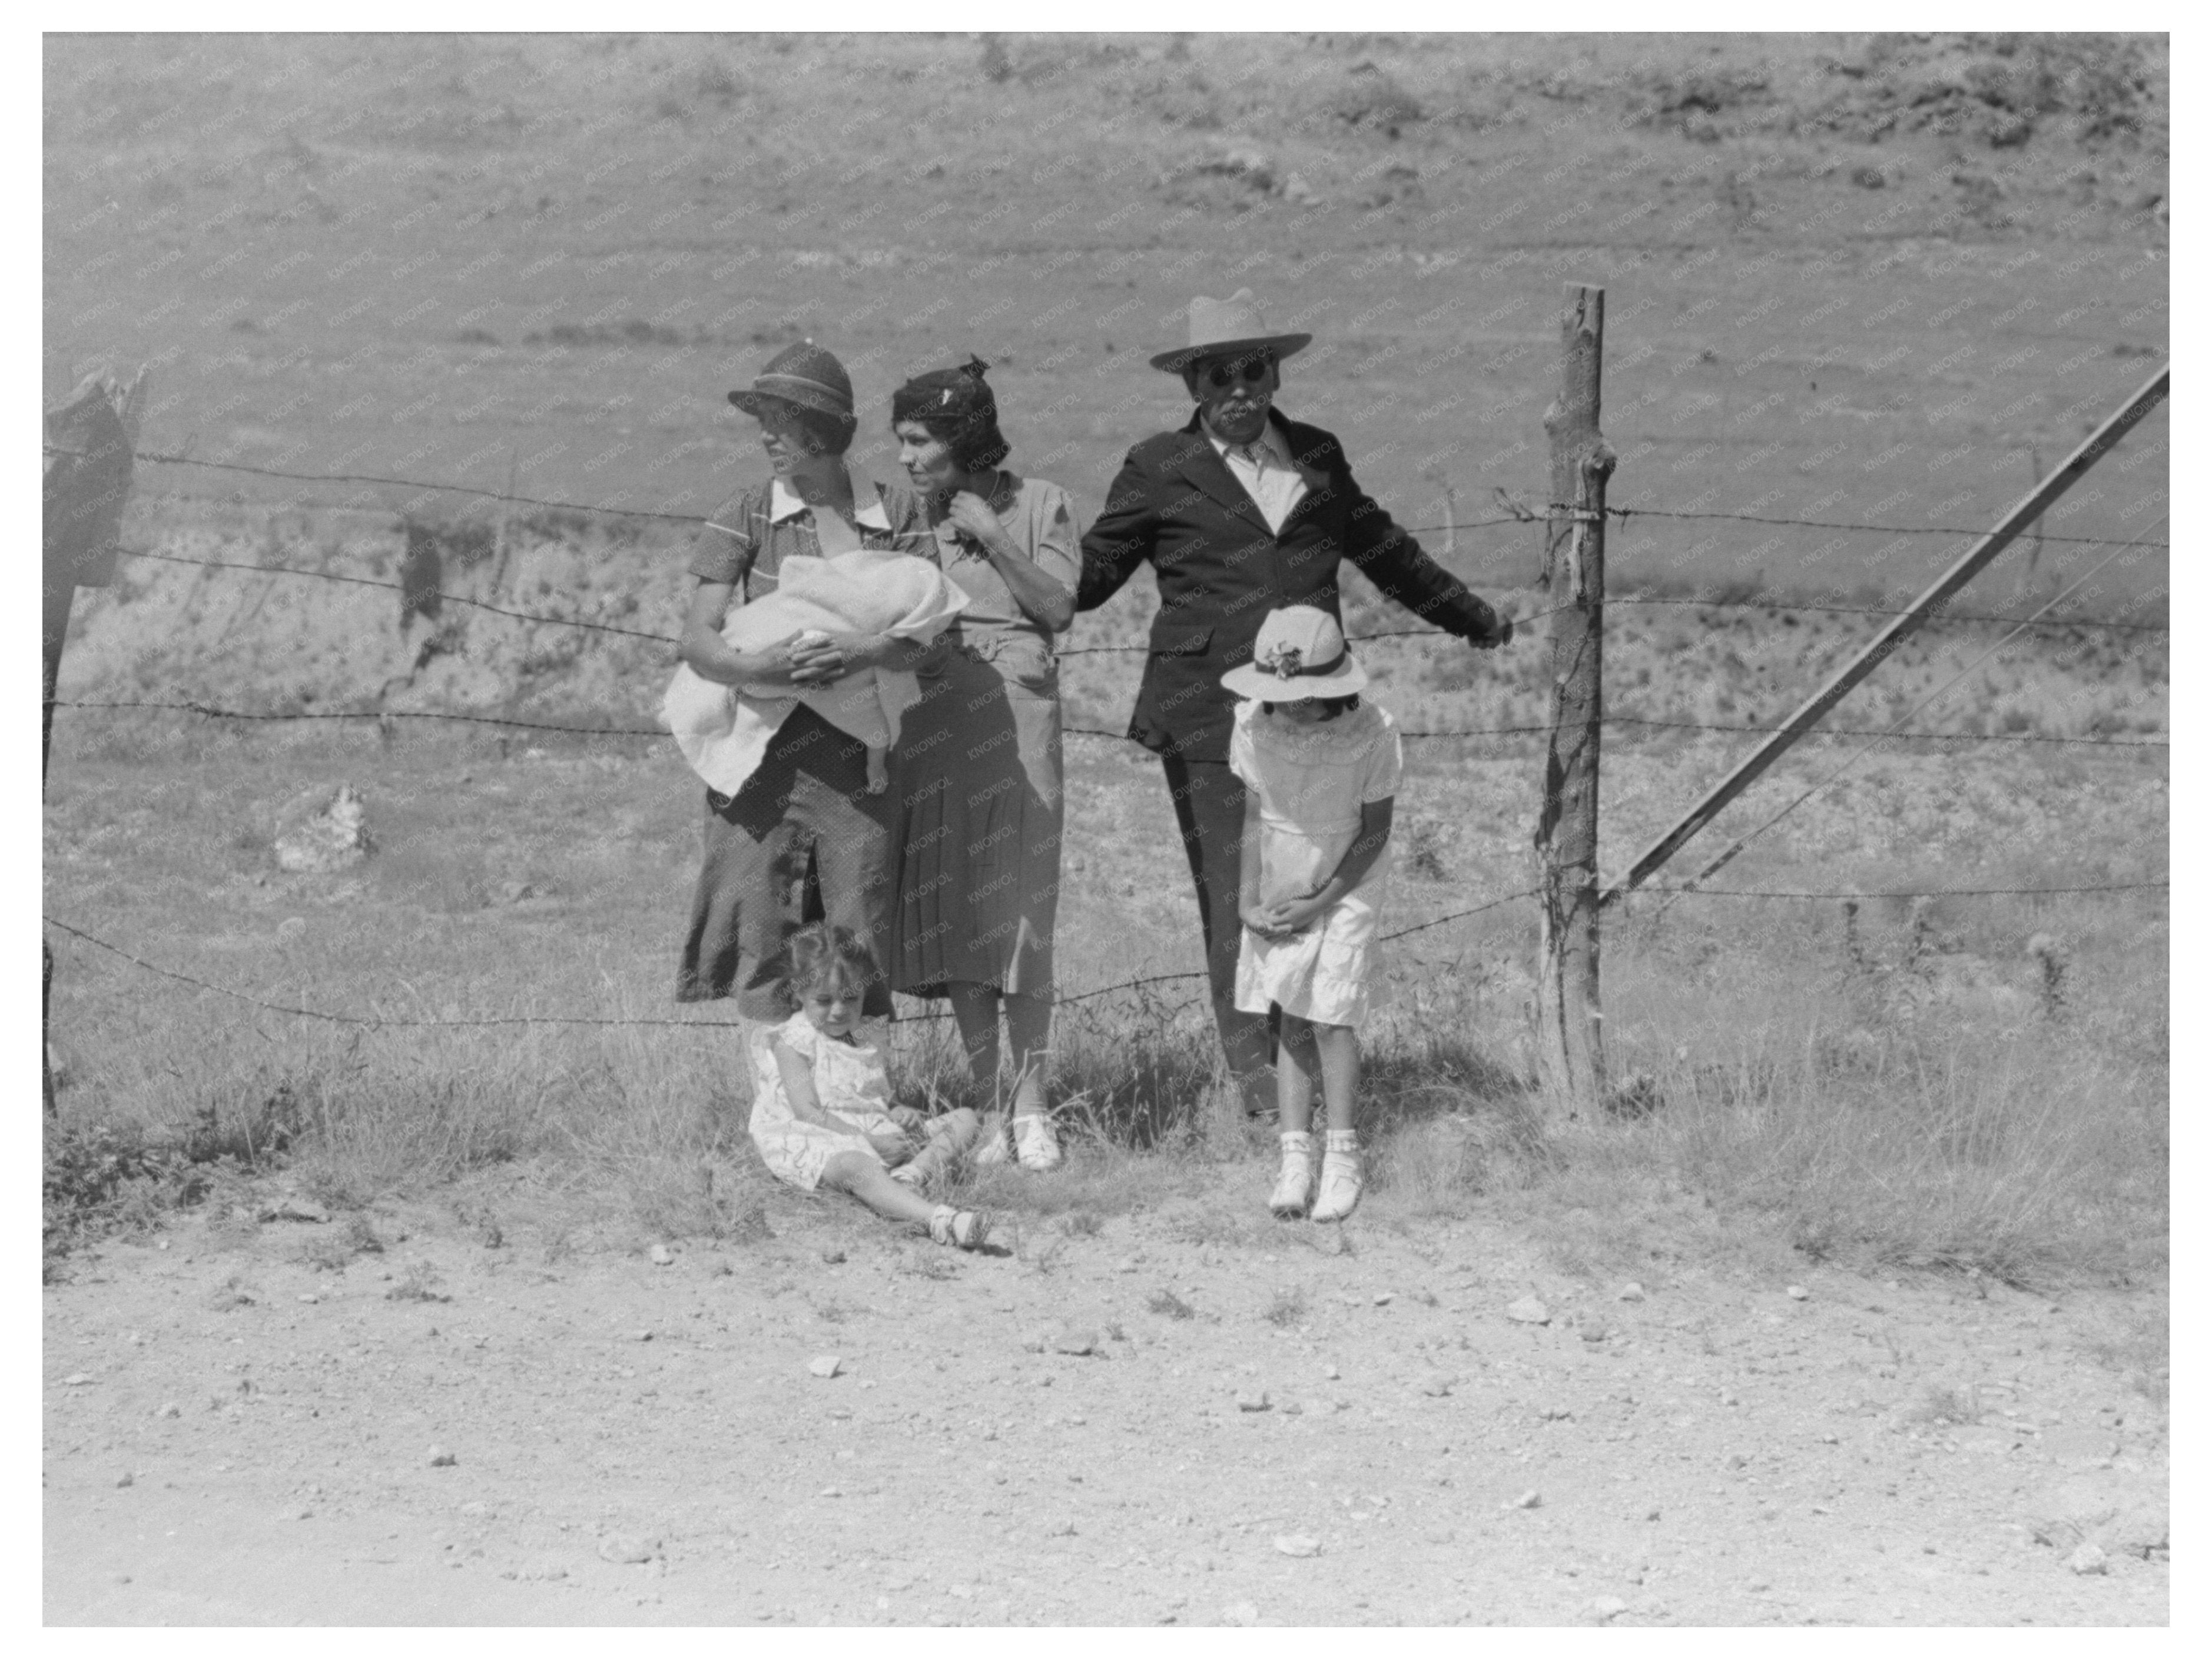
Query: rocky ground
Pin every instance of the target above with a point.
(1188, 1415)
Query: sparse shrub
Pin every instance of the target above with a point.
(418, 1282)
(1998, 89)
(327, 1250)
(1375, 102)
(1287, 1309)
(932, 1264)
(1689, 101)
(1423, 845)
(1637, 1095)
(2050, 957)
(1946, 1403)
(1169, 1305)
(100, 1178)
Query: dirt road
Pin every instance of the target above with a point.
(234, 1435)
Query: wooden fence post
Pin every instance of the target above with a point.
(1571, 1034)
(90, 440)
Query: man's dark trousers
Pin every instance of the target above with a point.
(1209, 807)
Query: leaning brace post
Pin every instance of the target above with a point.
(2026, 511)
(1570, 1034)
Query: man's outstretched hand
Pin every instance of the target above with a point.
(1500, 631)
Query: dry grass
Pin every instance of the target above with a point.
(1979, 1086)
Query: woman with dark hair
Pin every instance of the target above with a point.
(803, 839)
(976, 774)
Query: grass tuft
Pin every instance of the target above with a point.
(1169, 1305)
(1287, 1309)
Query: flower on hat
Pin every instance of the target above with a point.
(1284, 662)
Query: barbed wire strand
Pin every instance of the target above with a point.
(1933, 892)
(1704, 726)
(1828, 524)
(1671, 893)
(1700, 603)
(213, 712)
(1530, 517)
(403, 484)
(396, 588)
(1718, 604)
(1693, 601)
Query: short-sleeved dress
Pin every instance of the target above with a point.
(849, 1079)
(803, 839)
(978, 770)
(1311, 782)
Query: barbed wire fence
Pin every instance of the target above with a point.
(427, 489)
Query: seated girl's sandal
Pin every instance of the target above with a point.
(992, 1148)
(966, 1228)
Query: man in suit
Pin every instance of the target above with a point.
(1240, 512)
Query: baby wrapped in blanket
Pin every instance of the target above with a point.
(724, 730)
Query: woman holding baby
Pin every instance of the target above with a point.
(802, 836)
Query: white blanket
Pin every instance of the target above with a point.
(724, 731)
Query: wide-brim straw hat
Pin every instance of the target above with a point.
(805, 375)
(1300, 654)
(1229, 328)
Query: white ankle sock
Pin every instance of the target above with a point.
(1342, 1140)
(1296, 1140)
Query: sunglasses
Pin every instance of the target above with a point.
(1251, 371)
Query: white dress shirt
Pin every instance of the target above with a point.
(1264, 468)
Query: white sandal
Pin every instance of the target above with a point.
(991, 1146)
(1294, 1184)
(968, 1229)
(1342, 1177)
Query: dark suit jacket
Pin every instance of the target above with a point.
(1221, 570)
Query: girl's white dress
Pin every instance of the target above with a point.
(1311, 782)
(849, 1080)
(724, 731)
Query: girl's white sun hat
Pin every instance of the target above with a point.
(1300, 654)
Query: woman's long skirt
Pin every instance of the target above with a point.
(976, 786)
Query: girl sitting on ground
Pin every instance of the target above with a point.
(822, 1099)
(1319, 769)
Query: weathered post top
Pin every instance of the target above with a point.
(89, 439)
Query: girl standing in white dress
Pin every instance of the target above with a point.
(822, 1098)
(1319, 769)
